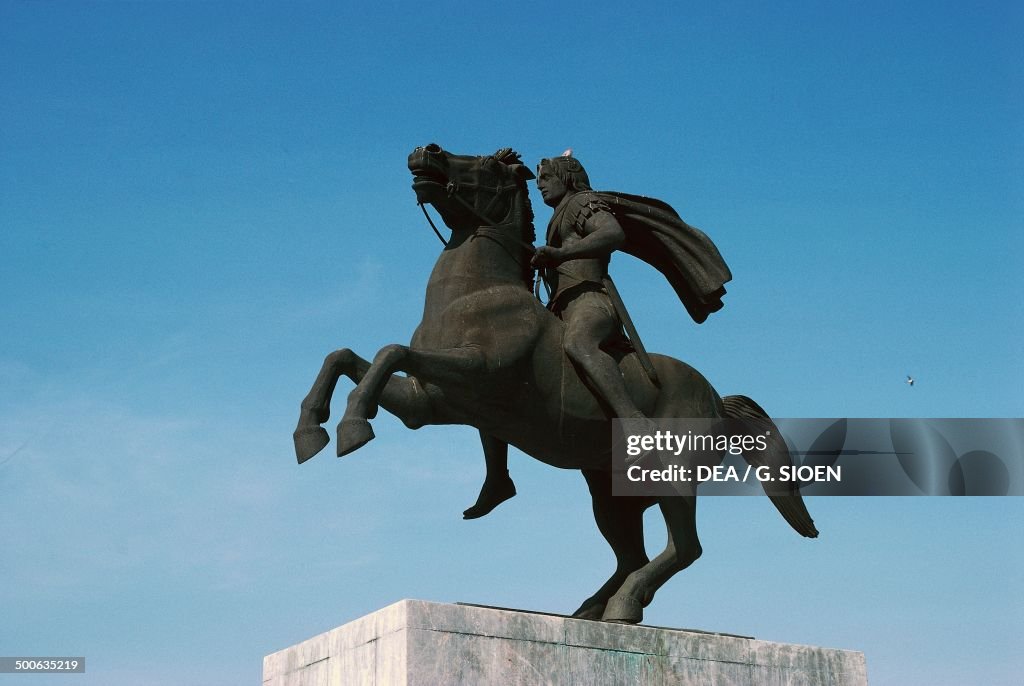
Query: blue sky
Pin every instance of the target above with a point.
(199, 201)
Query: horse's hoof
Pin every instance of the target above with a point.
(309, 441)
(623, 609)
(353, 434)
(590, 609)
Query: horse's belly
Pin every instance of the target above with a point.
(575, 445)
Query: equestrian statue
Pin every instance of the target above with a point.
(549, 379)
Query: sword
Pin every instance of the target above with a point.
(627, 324)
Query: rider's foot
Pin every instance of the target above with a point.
(494, 492)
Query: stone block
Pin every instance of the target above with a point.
(419, 643)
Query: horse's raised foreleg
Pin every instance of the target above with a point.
(682, 550)
(401, 397)
(621, 522)
(438, 366)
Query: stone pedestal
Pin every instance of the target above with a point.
(431, 644)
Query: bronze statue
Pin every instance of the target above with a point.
(489, 354)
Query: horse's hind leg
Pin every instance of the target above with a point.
(621, 522)
(401, 397)
(682, 550)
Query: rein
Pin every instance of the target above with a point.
(431, 222)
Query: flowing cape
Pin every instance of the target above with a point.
(686, 257)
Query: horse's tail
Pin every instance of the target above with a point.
(783, 494)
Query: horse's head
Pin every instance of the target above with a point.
(470, 191)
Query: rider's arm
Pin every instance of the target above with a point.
(597, 234)
(602, 235)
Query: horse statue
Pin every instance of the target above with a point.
(488, 354)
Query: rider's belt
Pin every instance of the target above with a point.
(561, 299)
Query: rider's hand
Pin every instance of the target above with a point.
(546, 256)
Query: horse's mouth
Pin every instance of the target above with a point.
(423, 177)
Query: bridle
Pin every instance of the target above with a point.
(452, 188)
(488, 228)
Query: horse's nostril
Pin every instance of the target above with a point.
(433, 147)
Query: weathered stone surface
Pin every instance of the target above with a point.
(417, 643)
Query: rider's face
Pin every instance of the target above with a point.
(552, 188)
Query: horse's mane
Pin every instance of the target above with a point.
(509, 156)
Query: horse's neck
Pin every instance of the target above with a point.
(476, 261)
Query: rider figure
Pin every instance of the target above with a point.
(581, 237)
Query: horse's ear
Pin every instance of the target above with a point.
(522, 172)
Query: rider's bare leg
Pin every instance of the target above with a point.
(589, 324)
(498, 485)
(587, 327)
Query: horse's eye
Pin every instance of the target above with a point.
(433, 147)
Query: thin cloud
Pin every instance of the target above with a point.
(15, 452)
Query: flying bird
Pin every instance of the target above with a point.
(910, 380)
